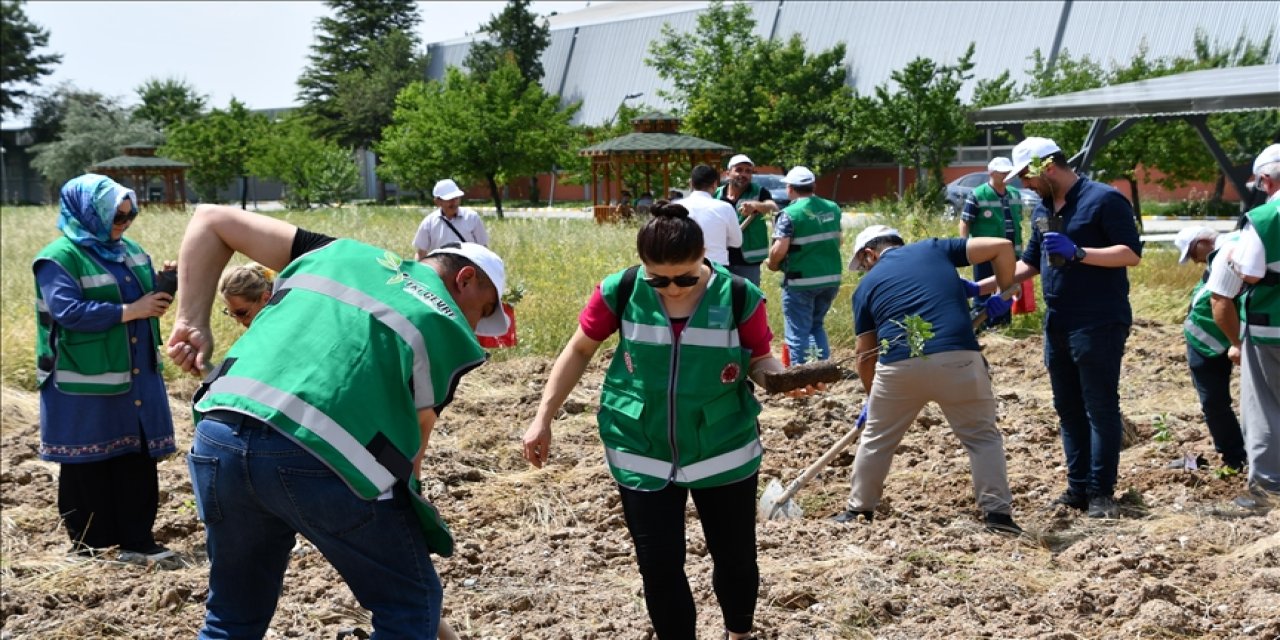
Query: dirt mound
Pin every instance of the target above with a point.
(545, 554)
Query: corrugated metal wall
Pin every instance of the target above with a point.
(607, 62)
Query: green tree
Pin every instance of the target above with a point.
(772, 100)
(471, 130)
(93, 129)
(312, 169)
(516, 34)
(357, 44)
(921, 122)
(168, 102)
(49, 110)
(218, 146)
(20, 65)
(1066, 75)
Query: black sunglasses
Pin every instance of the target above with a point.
(238, 313)
(662, 282)
(125, 218)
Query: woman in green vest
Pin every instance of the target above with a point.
(104, 415)
(677, 414)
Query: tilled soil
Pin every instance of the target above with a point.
(545, 554)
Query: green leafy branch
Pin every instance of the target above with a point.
(916, 331)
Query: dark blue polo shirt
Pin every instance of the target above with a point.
(1079, 295)
(918, 279)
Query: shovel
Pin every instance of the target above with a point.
(775, 502)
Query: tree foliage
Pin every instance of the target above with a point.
(517, 35)
(168, 102)
(470, 130)
(92, 129)
(771, 100)
(312, 169)
(359, 56)
(20, 65)
(921, 121)
(218, 146)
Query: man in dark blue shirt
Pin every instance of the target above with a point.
(919, 280)
(1083, 239)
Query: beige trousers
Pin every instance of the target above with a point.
(961, 385)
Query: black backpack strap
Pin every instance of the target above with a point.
(738, 289)
(625, 286)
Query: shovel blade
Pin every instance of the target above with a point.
(771, 509)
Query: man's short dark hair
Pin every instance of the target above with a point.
(704, 177)
(885, 241)
(802, 189)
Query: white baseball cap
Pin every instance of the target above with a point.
(1029, 149)
(1270, 155)
(496, 323)
(999, 164)
(799, 176)
(865, 237)
(739, 159)
(447, 190)
(1188, 237)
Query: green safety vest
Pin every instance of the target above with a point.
(1200, 330)
(679, 410)
(1260, 308)
(813, 260)
(97, 362)
(353, 343)
(989, 221)
(755, 238)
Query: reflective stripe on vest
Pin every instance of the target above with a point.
(756, 254)
(302, 412)
(423, 394)
(136, 259)
(817, 237)
(653, 334)
(71, 377)
(1207, 340)
(1264, 331)
(805, 282)
(700, 470)
(100, 280)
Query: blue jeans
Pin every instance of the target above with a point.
(804, 313)
(1212, 378)
(1084, 371)
(255, 488)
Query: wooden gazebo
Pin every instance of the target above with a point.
(156, 180)
(653, 146)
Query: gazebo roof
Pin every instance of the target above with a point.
(654, 144)
(139, 162)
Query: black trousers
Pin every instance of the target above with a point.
(110, 502)
(656, 521)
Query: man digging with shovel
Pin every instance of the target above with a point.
(920, 280)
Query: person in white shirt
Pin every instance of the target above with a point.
(719, 222)
(1254, 332)
(450, 222)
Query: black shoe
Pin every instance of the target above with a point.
(1001, 523)
(1103, 507)
(1072, 499)
(1255, 498)
(849, 515)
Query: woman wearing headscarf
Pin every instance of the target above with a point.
(104, 415)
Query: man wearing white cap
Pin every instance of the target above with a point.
(919, 279)
(450, 222)
(993, 210)
(752, 203)
(1255, 332)
(1207, 348)
(1083, 239)
(806, 247)
(317, 420)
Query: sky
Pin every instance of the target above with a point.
(253, 50)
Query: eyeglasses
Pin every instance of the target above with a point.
(238, 313)
(661, 282)
(125, 218)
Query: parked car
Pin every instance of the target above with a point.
(777, 188)
(960, 188)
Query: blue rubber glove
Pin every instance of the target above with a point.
(1058, 244)
(997, 308)
(970, 288)
(862, 417)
